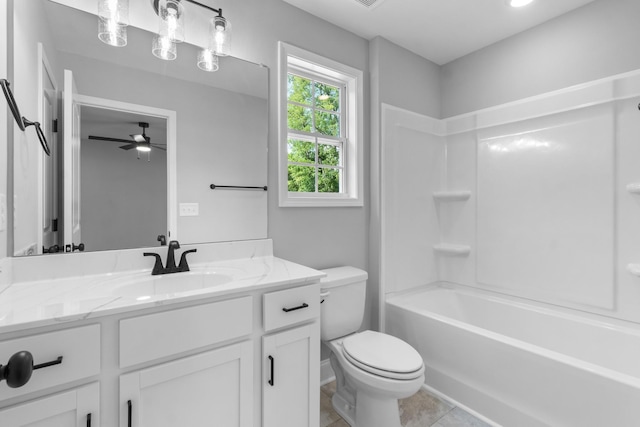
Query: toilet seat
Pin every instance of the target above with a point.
(383, 355)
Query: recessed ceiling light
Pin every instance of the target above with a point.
(519, 3)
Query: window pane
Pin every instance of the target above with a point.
(302, 179)
(327, 123)
(301, 151)
(329, 155)
(299, 89)
(327, 97)
(299, 118)
(328, 180)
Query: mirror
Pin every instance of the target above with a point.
(204, 128)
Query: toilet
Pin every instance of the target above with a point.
(373, 370)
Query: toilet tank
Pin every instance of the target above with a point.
(343, 294)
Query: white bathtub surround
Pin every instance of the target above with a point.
(50, 289)
(522, 363)
(535, 198)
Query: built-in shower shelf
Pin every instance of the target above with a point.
(634, 188)
(451, 249)
(452, 196)
(634, 269)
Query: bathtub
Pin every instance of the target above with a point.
(520, 363)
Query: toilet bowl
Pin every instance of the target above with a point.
(373, 370)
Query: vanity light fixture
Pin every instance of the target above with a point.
(114, 18)
(171, 31)
(519, 3)
(113, 21)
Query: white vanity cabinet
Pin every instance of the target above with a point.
(78, 407)
(179, 360)
(215, 385)
(211, 388)
(291, 373)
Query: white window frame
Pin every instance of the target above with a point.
(352, 182)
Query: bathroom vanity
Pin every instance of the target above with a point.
(233, 342)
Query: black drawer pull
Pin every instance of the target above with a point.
(89, 419)
(272, 379)
(46, 364)
(19, 368)
(129, 404)
(304, 305)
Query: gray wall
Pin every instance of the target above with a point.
(123, 198)
(316, 237)
(592, 42)
(404, 79)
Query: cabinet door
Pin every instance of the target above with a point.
(291, 380)
(74, 408)
(209, 389)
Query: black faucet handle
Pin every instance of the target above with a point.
(184, 266)
(157, 266)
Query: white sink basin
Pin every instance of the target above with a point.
(146, 287)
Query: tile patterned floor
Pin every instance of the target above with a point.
(420, 410)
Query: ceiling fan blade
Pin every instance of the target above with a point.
(128, 146)
(105, 138)
(159, 147)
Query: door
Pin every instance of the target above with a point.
(291, 378)
(71, 163)
(48, 187)
(74, 408)
(209, 389)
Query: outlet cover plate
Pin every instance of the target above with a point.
(189, 209)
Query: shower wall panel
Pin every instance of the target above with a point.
(545, 206)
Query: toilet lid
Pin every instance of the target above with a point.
(383, 355)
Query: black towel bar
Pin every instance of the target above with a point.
(214, 186)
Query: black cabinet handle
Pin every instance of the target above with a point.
(272, 379)
(130, 405)
(304, 305)
(89, 419)
(17, 372)
(46, 364)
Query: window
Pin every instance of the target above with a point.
(320, 108)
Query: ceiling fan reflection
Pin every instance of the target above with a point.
(141, 142)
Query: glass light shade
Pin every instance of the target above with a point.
(164, 48)
(114, 10)
(145, 148)
(171, 13)
(208, 61)
(112, 33)
(220, 36)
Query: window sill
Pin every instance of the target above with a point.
(320, 202)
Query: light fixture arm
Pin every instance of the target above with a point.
(214, 10)
(156, 6)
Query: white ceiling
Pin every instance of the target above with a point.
(439, 30)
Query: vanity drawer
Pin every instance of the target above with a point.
(79, 348)
(291, 306)
(153, 336)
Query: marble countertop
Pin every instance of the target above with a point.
(41, 302)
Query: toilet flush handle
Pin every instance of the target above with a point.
(323, 295)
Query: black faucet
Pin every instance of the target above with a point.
(170, 266)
